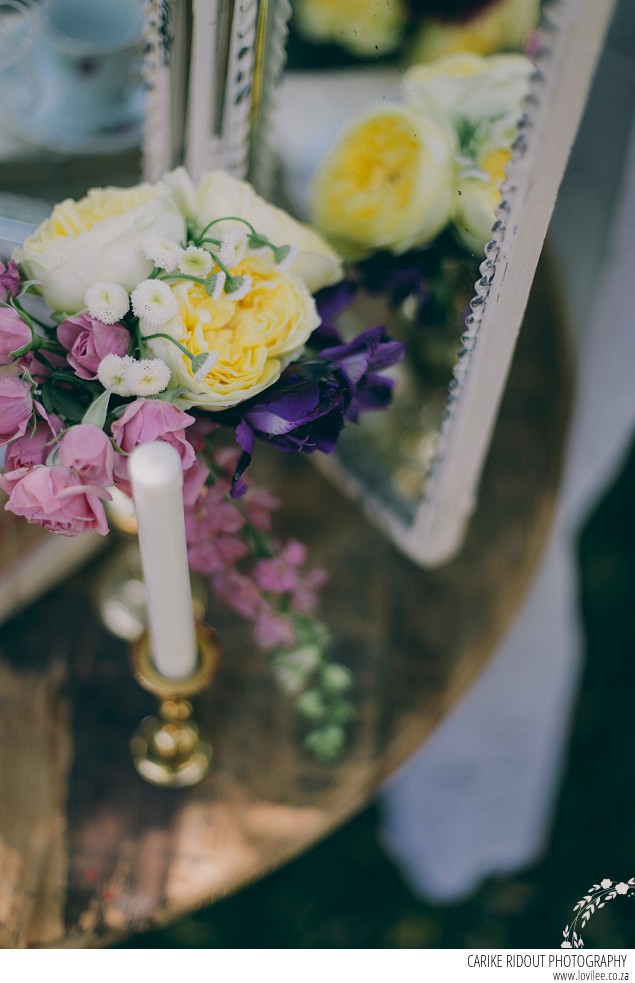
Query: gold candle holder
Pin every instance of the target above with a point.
(168, 750)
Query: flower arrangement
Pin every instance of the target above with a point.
(429, 29)
(408, 196)
(187, 315)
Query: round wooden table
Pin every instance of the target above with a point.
(89, 853)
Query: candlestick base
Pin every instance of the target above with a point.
(168, 750)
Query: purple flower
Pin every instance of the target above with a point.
(89, 340)
(9, 280)
(331, 303)
(308, 406)
(360, 361)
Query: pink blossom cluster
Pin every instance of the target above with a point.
(224, 538)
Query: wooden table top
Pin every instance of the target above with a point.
(90, 853)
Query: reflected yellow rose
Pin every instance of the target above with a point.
(387, 184)
(368, 28)
(249, 340)
(479, 196)
(502, 26)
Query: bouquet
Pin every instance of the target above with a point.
(189, 315)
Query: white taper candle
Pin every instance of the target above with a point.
(157, 488)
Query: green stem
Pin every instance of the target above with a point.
(227, 218)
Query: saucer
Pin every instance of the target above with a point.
(33, 106)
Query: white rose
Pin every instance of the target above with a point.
(99, 238)
(466, 88)
(220, 195)
(387, 184)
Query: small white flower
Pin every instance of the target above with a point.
(241, 285)
(147, 377)
(164, 253)
(219, 286)
(606, 883)
(207, 365)
(196, 262)
(154, 302)
(112, 373)
(108, 302)
(233, 246)
(621, 888)
(289, 257)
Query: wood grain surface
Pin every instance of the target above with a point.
(90, 853)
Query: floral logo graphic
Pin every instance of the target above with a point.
(597, 896)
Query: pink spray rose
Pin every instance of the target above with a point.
(16, 406)
(32, 449)
(14, 333)
(146, 420)
(55, 498)
(9, 280)
(87, 450)
(89, 340)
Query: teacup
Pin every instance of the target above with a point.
(91, 45)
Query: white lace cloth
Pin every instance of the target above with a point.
(478, 798)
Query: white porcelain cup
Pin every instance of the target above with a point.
(92, 47)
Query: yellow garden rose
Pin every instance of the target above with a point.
(479, 195)
(250, 340)
(99, 238)
(387, 184)
(502, 26)
(365, 27)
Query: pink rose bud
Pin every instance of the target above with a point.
(32, 449)
(56, 499)
(41, 370)
(9, 280)
(87, 450)
(16, 407)
(88, 340)
(14, 333)
(146, 420)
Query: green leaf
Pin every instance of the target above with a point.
(98, 410)
(58, 400)
(326, 743)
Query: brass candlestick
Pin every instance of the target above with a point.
(168, 750)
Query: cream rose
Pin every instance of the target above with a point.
(387, 184)
(249, 341)
(501, 26)
(466, 88)
(220, 195)
(99, 238)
